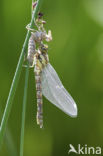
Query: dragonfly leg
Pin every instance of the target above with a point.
(28, 28)
(29, 66)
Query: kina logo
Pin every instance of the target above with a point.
(85, 150)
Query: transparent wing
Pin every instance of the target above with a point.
(55, 92)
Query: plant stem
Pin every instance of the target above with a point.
(24, 110)
(16, 77)
(24, 105)
(9, 141)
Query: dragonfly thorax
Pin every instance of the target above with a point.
(38, 36)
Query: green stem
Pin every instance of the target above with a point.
(16, 77)
(9, 141)
(24, 111)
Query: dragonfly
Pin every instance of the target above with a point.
(48, 83)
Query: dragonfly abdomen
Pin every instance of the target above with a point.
(39, 98)
(31, 50)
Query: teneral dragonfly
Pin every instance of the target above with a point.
(47, 80)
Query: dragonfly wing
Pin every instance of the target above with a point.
(55, 92)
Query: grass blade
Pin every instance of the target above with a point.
(24, 111)
(9, 141)
(24, 105)
(16, 77)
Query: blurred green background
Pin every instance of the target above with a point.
(76, 53)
